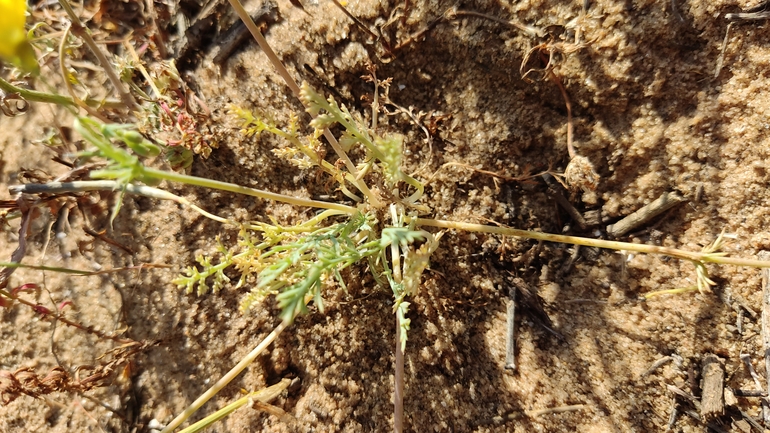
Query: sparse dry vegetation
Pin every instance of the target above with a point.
(367, 200)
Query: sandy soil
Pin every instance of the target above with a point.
(648, 113)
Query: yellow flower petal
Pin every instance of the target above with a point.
(13, 39)
(11, 26)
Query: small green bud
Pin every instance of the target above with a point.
(138, 143)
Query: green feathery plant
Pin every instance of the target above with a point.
(294, 263)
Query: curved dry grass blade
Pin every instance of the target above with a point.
(265, 395)
(227, 378)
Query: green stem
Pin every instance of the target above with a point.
(35, 96)
(412, 199)
(599, 243)
(225, 186)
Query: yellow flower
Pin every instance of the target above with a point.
(11, 26)
(14, 46)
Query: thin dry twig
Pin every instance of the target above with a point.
(551, 48)
(510, 335)
(696, 403)
(529, 30)
(158, 37)
(758, 382)
(660, 363)
(68, 82)
(521, 178)
(644, 215)
(408, 112)
(21, 250)
(765, 255)
(721, 58)
(749, 393)
(454, 13)
(358, 22)
(398, 391)
(102, 236)
(757, 13)
(54, 316)
(672, 416)
(740, 306)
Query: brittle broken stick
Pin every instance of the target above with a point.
(757, 13)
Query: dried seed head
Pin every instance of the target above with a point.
(580, 174)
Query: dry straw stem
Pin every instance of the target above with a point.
(693, 256)
(264, 396)
(530, 31)
(68, 80)
(83, 33)
(227, 378)
(108, 185)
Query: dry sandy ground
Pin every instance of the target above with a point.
(648, 113)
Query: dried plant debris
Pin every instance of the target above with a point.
(25, 381)
(757, 13)
(712, 384)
